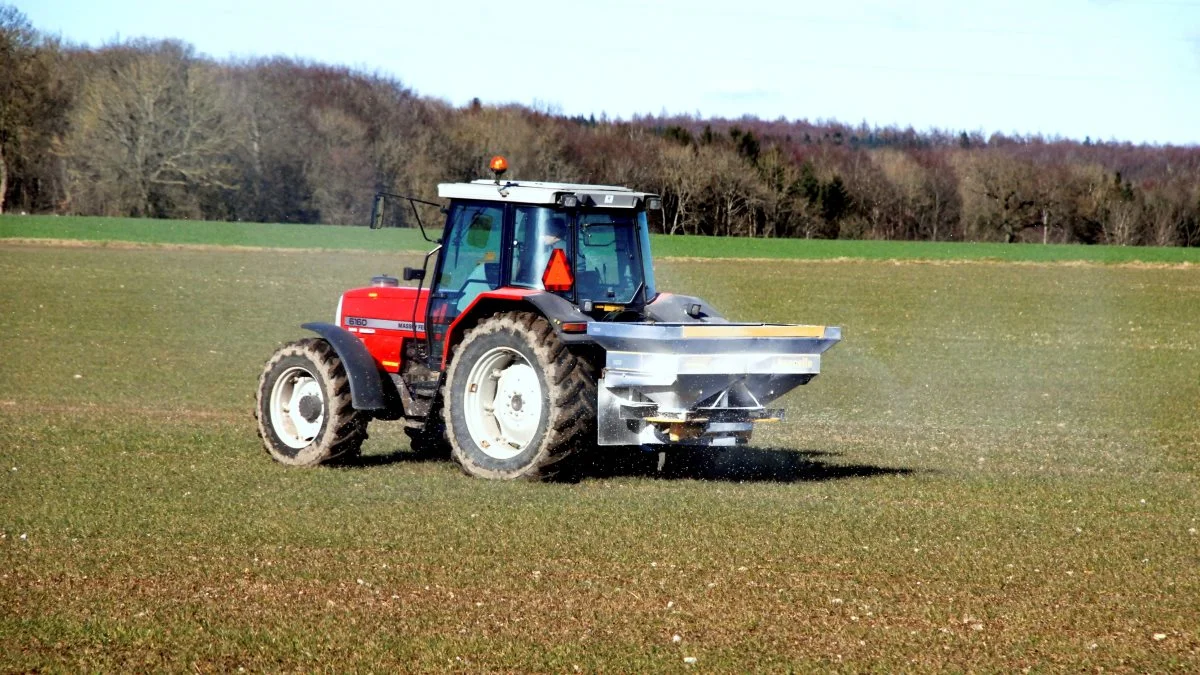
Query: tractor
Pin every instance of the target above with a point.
(541, 335)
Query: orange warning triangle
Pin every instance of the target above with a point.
(557, 276)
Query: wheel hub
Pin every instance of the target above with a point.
(297, 407)
(517, 382)
(310, 408)
(503, 403)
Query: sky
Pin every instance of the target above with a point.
(1126, 70)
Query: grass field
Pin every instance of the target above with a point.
(181, 232)
(997, 470)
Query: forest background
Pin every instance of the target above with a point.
(151, 128)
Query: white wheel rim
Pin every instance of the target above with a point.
(502, 403)
(297, 421)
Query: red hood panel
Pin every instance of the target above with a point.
(382, 317)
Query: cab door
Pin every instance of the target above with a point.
(471, 263)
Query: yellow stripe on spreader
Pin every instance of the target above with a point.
(717, 331)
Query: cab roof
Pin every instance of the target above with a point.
(537, 192)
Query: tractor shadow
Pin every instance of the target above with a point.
(398, 456)
(733, 465)
(736, 465)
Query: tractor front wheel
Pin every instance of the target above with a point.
(303, 408)
(517, 401)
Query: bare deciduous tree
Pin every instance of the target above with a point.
(148, 132)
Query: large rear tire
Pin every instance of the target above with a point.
(517, 401)
(303, 407)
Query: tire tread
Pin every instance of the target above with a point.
(571, 397)
(345, 429)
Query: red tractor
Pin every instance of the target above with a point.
(541, 334)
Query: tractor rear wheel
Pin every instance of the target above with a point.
(303, 408)
(517, 401)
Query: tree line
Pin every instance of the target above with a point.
(151, 128)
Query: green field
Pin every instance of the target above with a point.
(192, 233)
(997, 470)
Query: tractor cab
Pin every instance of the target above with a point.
(588, 245)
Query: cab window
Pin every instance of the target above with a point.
(537, 231)
(607, 265)
(472, 262)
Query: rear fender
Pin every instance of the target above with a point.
(556, 310)
(366, 385)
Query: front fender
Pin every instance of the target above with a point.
(366, 386)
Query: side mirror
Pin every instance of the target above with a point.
(377, 213)
(412, 273)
